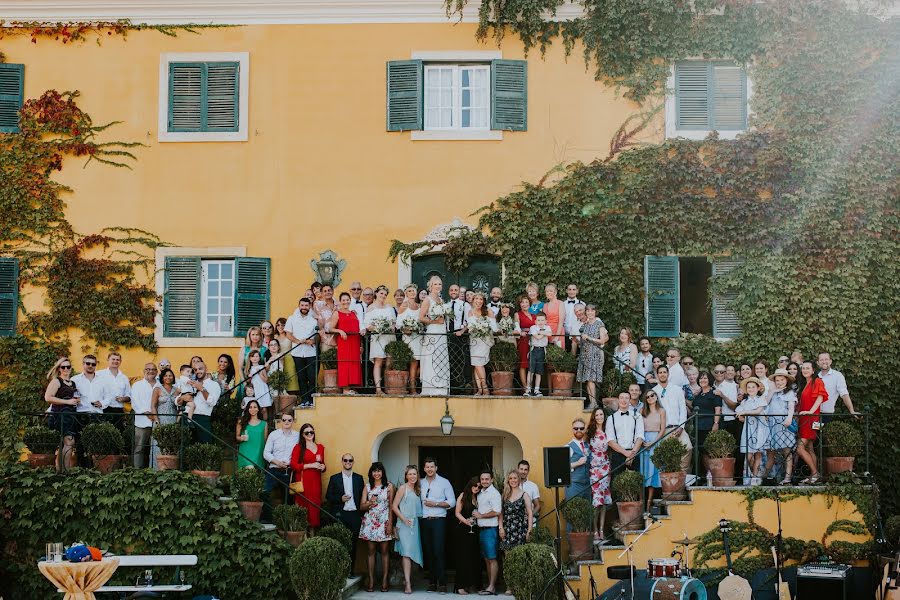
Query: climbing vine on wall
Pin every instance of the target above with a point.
(79, 31)
(85, 281)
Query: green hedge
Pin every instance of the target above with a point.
(319, 569)
(137, 512)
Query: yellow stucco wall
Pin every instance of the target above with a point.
(319, 170)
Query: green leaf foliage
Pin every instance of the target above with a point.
(528, 568)
(134, 511)
(340, 533)
(400, 355)
(247, 484)
(578, 513)
(319, 569)
(102, 439)
(203, 457)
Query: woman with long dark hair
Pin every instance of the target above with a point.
(376, 526)
(308, 463)
(251, 437)
(225, 372)
(812, 393)
(598, 450)
(468, 554)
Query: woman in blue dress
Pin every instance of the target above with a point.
(408, 508)
(654, 424)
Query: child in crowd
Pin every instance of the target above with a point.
(249, 394)
(185, 387)
(755, 435)
(258, 375)
(540, 334)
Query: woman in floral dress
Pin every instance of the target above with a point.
(376, 523)
(599, 470)
(516, 515)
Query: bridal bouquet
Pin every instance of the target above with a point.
(411, 325)
(480, 329)
(506, 325)
(382, 325)
(439, 311)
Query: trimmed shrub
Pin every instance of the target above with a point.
(527, 569)
(102, 439)
(504, 357)
(667, 455)
(627, 486)
(578, 513)
(542, 535)
(560, 361)
(400, 354)
(290, 517)
(247, 484)
(720, 444)
(203, 457)
(328, 359)
(339, 533)
(842, 439)
(40, 439)
(319, 568)
(169, 438)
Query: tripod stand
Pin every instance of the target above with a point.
(559, 578)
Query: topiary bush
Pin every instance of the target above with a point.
(527, 569)
(560, 361)
(542, 535)
(720, 444)
(40, 439)
(319, 568)
(170, 437)
(578, 513)
(247, 484)
(102, 439)
(504, 357)
(328, 359)
(202, 457)
(667, 455)
(339, 533)
(290, 517)
(841, 438)
(399, 354)
(627, 486)
(177, 516)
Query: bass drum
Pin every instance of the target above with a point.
(667, 588)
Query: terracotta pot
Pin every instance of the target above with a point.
(329, 381)
(838, 464)
(210, 478)
(166, 462)
(294, 538)
(251, 510)
(610, 404)
(396, 382)
(673, 485)
(109, 463)
(41, 460)
(562, 384)
(580, 545)
(630, 515)
(285, 403)
(722, 470)
(502, 383)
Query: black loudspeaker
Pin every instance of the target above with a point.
(557, 472)
(822, 588)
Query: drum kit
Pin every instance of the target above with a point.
(671, 576)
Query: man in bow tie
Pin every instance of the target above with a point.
(625, 432)
(570, 321)
(496, 299)
(458, 342)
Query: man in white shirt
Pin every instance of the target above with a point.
(356, 303)
(530, 488)
(676, 371)
(437, 499)
(88, 386)
(300, 329)
(490, 507)
(277, 454)
(644, 366)
(345, 495)
(571, 323)
(625, 432)
(727, 390)
(205, 395)
(457, 344)
(835, 385)
(141, 394)
(495, 301)
(671, 398)
(115, 389)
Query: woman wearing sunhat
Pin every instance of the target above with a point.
(782, 436)
(755, 435)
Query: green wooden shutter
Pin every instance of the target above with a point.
(204, 96)
(251, 294)
(662, 296)
(509, 95)
(12, 86)
(9, 296)
(725, 322)
(729, 97)
(181, 297)
(692, 95)
(405, 95)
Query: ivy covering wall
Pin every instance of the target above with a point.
(809, 198)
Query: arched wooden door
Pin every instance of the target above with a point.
(482, 274)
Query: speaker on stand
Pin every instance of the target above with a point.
(557, 472)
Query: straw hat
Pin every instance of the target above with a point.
(782, 373)
(754, 380)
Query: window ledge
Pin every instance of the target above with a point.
(449, 135)
(700, 134)
(202, 136)
(200, 342)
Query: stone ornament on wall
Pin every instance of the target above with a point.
(328, 268)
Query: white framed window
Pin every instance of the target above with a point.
(204, 97)
(707, 95)
(217, 298)
(457, 97)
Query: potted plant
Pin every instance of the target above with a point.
(168, 440)
(626, 490)
(719, 449)
(247, 485)
(291, 521)
(396, 378)
(579, 514)
(319, 569)
(43, 444)
(278, 382)
(105, 445)
(614, 384)
(504, 361)
(667, 458)
(841, 442)
(562, 366)
(203, 460)
(328, 360)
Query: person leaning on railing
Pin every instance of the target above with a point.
(61, 395)
(277, 454)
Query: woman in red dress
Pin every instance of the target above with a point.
(308, 463)
(812, 393)
(524, 321)
(345, 323)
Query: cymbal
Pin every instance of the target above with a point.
(686, 541)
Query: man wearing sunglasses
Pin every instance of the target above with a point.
(85, 383)
(277, 454)
(579, 460)
(671, 398)
(344, 495)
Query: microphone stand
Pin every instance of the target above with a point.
(778, 538)
(629, 549)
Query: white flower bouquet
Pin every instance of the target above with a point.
(382, 325)
(480, 329)
(411, 325)
(506, 326)
(439, 311)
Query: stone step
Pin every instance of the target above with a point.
(353, 585)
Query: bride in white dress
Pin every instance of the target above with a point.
(435, 361)
(410, 309)
(481, 326)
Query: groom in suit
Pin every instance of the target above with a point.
(344, 496)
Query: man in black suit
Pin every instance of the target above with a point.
(344, 495)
